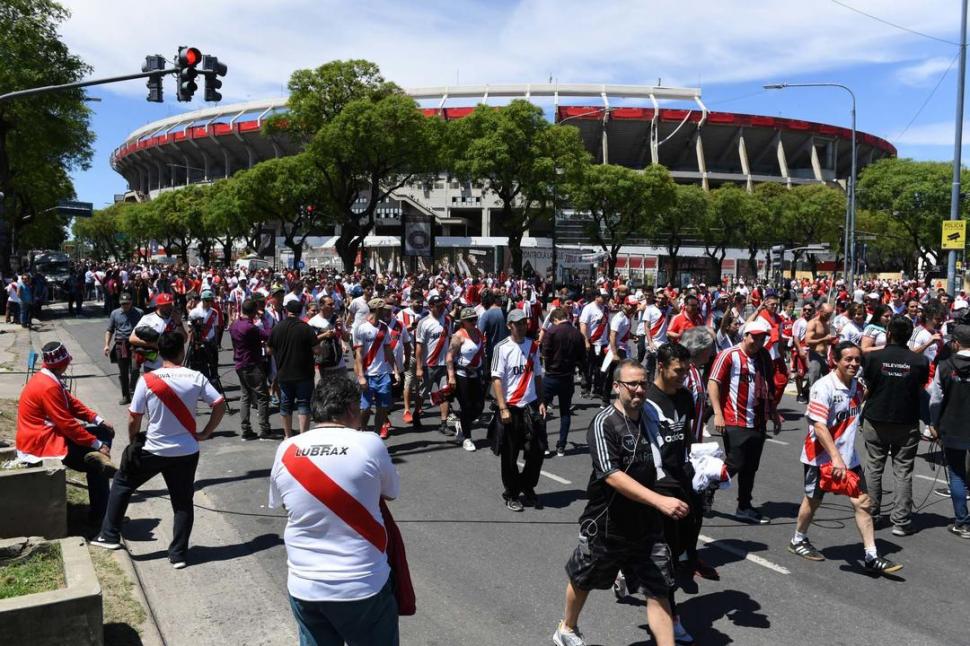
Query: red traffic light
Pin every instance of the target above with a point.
(189, 56)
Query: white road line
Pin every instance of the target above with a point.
(551, 476)
(782, 442)
(757, 560)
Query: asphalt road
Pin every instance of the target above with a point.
(488, 576)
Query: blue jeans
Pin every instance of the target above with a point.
(367, 622)
(25, 310)
(559, 386)
(956, 464)
(298, 393)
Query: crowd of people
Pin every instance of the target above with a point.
(672, 368)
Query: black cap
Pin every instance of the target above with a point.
(435, 300)
(961, 334)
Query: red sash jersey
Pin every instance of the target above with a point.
(47, 414)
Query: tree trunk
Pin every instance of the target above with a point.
(611, 263)
(347, 246)
(794, 262)
(515, 250)
(227, 251)
(672, 262)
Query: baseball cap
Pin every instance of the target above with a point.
(163, 299)
(434, 300)
(468, 313)
(207, 295)
(376, 304)
(516, 315)
(757, 326)
(124, 298)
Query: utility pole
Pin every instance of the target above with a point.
(951, 262)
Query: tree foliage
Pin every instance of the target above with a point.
(515, 153)
(42, 138)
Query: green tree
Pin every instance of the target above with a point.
(223, 216)
(914, 194)
(812, 214)
(674, 223)
(42, 138)
(104, 231)
(515, 153)
(719, 225)
(621, 203)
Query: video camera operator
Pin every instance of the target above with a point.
(204, 323)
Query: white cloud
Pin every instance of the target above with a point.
(433, 42)
(939, 133)
(924, 73)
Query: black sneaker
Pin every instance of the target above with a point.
(530, 499)
(805, 550)
(560, 451)
(881, 565)
(751, 515)
(124, 401)
(248, 436)
(802, 399)
(267, 435)
(960, 530)
(443, 428)
(513, 504)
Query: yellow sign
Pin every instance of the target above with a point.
(954, 234)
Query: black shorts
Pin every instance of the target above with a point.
(435, 379)
(812, 473)
(647, 566)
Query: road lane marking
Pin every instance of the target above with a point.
(773, 441)
(551, 476)
(754, 558)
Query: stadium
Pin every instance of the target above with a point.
(619, 124)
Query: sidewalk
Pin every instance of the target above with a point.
(224, 596)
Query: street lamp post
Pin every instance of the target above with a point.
(849, 260)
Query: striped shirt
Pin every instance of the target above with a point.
(837, 406)
(695, 386)
(745, 384)
(517, 365)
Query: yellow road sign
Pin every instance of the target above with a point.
(954, 234)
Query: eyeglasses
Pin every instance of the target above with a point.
(633, 385)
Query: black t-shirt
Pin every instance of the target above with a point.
(619, 444)
(292, 342)
(895, 377)
(675, 425)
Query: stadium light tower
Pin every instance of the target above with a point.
(849, 260)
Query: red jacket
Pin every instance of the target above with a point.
(48, 414)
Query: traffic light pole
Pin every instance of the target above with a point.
(71, 86)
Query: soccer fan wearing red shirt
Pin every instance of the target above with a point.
(687, 318)
(775, 343)
(741, 390)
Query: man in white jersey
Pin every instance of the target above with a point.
(799, 355)
(170, 445)
(332, 481)
(409, 317)
(521, 426)
(593, 323)
(618, 346)
(144, 338)
(204, 323)
(431, 351)
(834, 408)
(357, 310)
(374, 365)
(656, 317)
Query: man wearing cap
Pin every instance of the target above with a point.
(48, 427)
(204, 324)
(521, 426)
(741, 389)
(593, 323)
(431, 351)
(121, 323)
(373, 364)
(291, 343)
(144, 338)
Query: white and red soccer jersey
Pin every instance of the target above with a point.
(837, 406)
(695, 386)
(657, 319)
(619, 324)
(922, 336)
(370, 341)
(798, 330)
(210, 321)
(594, 316)
(774, 337)
(330, 481)
(517, 365)
(737, 376)
(400, 337)
(471, 354)
(434, 334)
(169, 396)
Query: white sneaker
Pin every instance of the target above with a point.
(468, 445)
(619, 587)
(565, 637)
(178, 565)
(707, 433)
(108, 545)
(681, 636)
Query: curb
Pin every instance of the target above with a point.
(151, 635)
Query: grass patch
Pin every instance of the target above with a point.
(123, 613)
(41, 571)
(8, 420)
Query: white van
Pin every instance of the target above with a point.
(250, 264)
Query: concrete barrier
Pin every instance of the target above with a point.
(71, 616)
(33, 502)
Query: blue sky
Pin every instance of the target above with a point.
(728, 48)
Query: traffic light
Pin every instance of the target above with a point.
(153, 63)
(776, 257)
(188, 59)
(212, 69)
